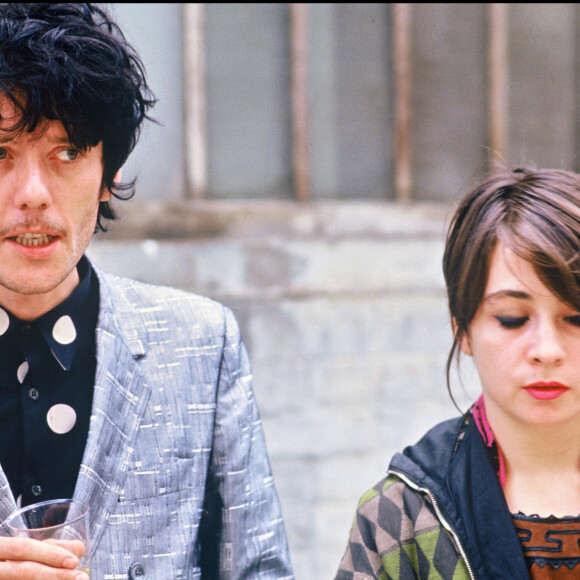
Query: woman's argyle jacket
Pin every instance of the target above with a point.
(396, 534)
(440, 514)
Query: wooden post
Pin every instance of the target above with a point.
(195, 119)
(299, 98)
(497, 74)
(402, 64)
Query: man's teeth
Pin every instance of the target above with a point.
(33, 239)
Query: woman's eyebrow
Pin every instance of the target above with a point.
(507, 294)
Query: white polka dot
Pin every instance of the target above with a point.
(61, 418)
(4, 321)
(64, 330)
(21, 372)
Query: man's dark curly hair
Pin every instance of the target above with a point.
(72, 63)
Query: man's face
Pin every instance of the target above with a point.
(49, 199)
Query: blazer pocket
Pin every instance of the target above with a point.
(176, 474)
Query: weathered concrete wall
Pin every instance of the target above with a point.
(342, 308)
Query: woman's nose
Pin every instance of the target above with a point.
(547, 344)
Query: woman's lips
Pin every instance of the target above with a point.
(546, 391)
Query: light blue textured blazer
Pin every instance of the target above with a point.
(175, 469)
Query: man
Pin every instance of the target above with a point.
(135, 399)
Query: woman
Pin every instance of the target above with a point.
(495, 493)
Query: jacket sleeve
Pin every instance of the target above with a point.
(242, 532)
(396, 534)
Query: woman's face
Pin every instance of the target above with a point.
(525, 343)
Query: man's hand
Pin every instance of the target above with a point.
(27, 559)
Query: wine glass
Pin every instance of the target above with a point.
(62, 520)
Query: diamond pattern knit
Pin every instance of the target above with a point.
(396, 536)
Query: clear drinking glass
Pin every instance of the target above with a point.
(58, 519)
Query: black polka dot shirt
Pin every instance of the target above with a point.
(47, 373)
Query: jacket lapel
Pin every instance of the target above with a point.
(120, 399)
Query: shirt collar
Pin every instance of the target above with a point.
(61, 326)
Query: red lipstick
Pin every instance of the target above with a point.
(543, 391)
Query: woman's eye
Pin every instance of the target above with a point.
(512, 321)
(575, 320)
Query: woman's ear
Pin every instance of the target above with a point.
(465, 345)
(462, 339)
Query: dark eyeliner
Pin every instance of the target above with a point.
(512, 321)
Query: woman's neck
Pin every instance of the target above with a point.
(542, 466)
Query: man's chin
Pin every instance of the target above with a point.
(34, 293)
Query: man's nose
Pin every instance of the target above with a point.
(32, 191)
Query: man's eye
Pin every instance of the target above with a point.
(69, 154)
(3, 153)
(575, 320)
(512, 321)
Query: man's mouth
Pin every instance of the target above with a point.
(30, 240)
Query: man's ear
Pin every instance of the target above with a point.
(462, 339)
(106, 194)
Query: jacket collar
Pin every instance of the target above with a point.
(452, 462)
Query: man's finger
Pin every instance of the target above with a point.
(48, 553)
(74, 546)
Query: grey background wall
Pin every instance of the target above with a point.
(340, 299)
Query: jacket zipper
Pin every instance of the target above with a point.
(440, 517)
